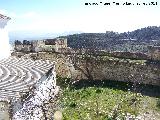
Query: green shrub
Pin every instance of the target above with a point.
(158, 103)
(64, 82)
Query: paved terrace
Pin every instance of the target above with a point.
(18, 75)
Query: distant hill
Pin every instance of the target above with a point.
(146, 34)
(134, 41)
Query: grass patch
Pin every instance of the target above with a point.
(108, 101)
(99, 103)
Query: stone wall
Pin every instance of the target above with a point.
(123, 71)
(154, 52)
(112, 70)
(30, 106)
(4, 110)
(120, 71)
(117, 70)
(63, 66)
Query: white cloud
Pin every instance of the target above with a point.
(2, 11)
(29, 15)
(93, 20)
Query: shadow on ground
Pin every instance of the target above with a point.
(148, 90)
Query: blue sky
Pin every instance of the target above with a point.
(72, 15)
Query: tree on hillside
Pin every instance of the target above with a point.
(26, 42)
(17, 42)
(147, 33)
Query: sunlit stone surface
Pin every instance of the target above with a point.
(42, 91)
(4, 45)
(4, 53)
(4, 110)
(17, 76)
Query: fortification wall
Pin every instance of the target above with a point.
(122, 71)
(108, 69)
(140, 73)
